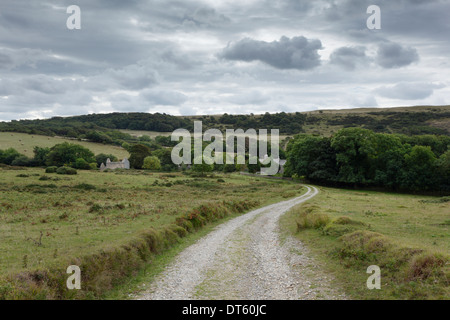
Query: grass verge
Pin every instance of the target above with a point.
(106, 269)
(406, 236)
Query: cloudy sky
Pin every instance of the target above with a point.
(209, 57)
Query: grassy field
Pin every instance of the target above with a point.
(407, 236)
(47, 220)
(151, 134)
(24, 143)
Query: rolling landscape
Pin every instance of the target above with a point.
(117, 223)
(224, 159)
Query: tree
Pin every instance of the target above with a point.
(354, 147)
(9, 155)
(388, 160)
(82, 164)
(151, 163)
(40, 155)
(100, 137)
(22, 161)
(420, 171)
(138, 153)
(443, 170)
(101, 158)
(67, 154)
(311, 157)
(165, 157)
(254, 168)
(201, 166)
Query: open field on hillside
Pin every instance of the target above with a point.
(24, 143)
(48, 219)
(408, 236)
(151, 134)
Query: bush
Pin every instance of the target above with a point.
(82, 164)
(312, 220)
(424, 266)
(151, 163)
(66, 170)
(22, 161)
(85, 186)
(51, 169)
(309, 219)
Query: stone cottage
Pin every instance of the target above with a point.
(124, 164)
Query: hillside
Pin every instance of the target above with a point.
(105, 127)
(24, 144)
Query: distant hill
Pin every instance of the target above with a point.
(108, 128)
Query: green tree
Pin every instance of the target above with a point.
(67, 154)
(388, 160)
(254, 168)
(443, 170)
(165, 157)
(201, 166)
(9, 155)
(40, 155)
(311, 157)
(151, 163)
(138, 153)
(420, 171)
(354, 147)
(101, 158)
(82, 164)
(22, 161)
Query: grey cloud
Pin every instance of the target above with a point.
(163, 97)
(296, 53)
(349, 57)
(393, 55)
(161, 48)
(364, 102)
(206, 17)
(408, 91)
(134, 77)
(250, 97)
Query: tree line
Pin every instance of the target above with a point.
(362, 158)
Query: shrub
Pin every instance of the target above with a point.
(66, 170)
(85, 186)
(424, 266)
(82, 164)
(309, 219)
(151, 163)
(22, 175)
(51, 169)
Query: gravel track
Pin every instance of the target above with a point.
(244, 258)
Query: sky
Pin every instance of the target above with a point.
(223, 56)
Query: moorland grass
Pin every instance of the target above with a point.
(405, 235)
(111, 224)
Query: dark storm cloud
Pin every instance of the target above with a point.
(296, 53)
(393, 55)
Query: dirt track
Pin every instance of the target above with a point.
(245, 259)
